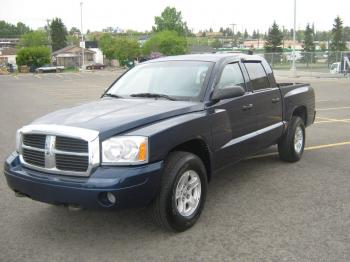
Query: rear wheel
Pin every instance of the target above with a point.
(182, 194)
(291, 147)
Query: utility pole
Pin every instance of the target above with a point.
(233, 33)
(294, 36)
(82, 36)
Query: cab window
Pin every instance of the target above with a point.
(231, 76)
(257, 74)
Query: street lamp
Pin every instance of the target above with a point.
(82, 36)
(294, 35)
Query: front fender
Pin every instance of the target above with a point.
(167, 134)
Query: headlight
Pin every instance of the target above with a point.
(18, 140)
(125, 150)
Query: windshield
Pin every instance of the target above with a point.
(180, 80)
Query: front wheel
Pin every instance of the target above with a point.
(291, 147)
(183, 190)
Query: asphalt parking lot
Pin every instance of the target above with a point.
(259, 210)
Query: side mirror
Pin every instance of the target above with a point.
(227, 92)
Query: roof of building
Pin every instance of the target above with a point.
(69, 49)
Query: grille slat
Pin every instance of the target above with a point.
(71, 144)
(33, 157)
(74, 163)
(34, 140)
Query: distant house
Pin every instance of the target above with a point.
(8, 55)
(72, 56)
(8, 42)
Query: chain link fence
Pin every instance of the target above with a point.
(318, 64)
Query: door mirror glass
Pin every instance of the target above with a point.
(226, 92)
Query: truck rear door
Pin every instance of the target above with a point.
(267, 101)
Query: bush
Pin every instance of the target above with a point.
(33, 56)
(167, 43)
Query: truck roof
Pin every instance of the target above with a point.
(215, 57)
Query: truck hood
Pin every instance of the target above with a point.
(112, 116)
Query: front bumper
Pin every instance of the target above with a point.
(132, 186)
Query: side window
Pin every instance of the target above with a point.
(231, 75)
(257, 75)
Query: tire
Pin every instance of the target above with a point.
(291, 148)
(165, 207)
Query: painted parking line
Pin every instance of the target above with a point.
(306, 149)
(333, 108)
(321, 120)
(37, 76)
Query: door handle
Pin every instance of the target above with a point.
(247, 107)
(275, 100)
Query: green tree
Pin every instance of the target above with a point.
(309, 46)
(74, 31)
(167, 43)
(347, 33)
(107, 43)
(274, 39)
(58, 33)
(170, 20)
(126, 49)
(338, 41)
(33, 56)
(119, 48)
(12, 31)
(34, 38)
(273, 44)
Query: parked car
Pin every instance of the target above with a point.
(159, 134)
(95, 66)
(49, 69)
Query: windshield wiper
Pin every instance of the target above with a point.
(112, 95)
(153, 95)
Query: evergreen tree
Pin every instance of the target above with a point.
(338, 42)
(58, 33)
(245, 34)
(309, 46)
(274, 39)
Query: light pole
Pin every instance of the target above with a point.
(294, 35)
(82, 36)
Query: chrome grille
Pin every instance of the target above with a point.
(47, 148)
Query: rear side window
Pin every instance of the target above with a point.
(231, 76)
(257, 75)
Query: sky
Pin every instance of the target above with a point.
(199, 15)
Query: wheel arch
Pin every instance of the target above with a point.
(198, 147)
(301, 111)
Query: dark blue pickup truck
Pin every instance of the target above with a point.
(159, 134)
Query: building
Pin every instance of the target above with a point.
(8, 42)
(8, 55)
(72, 56)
